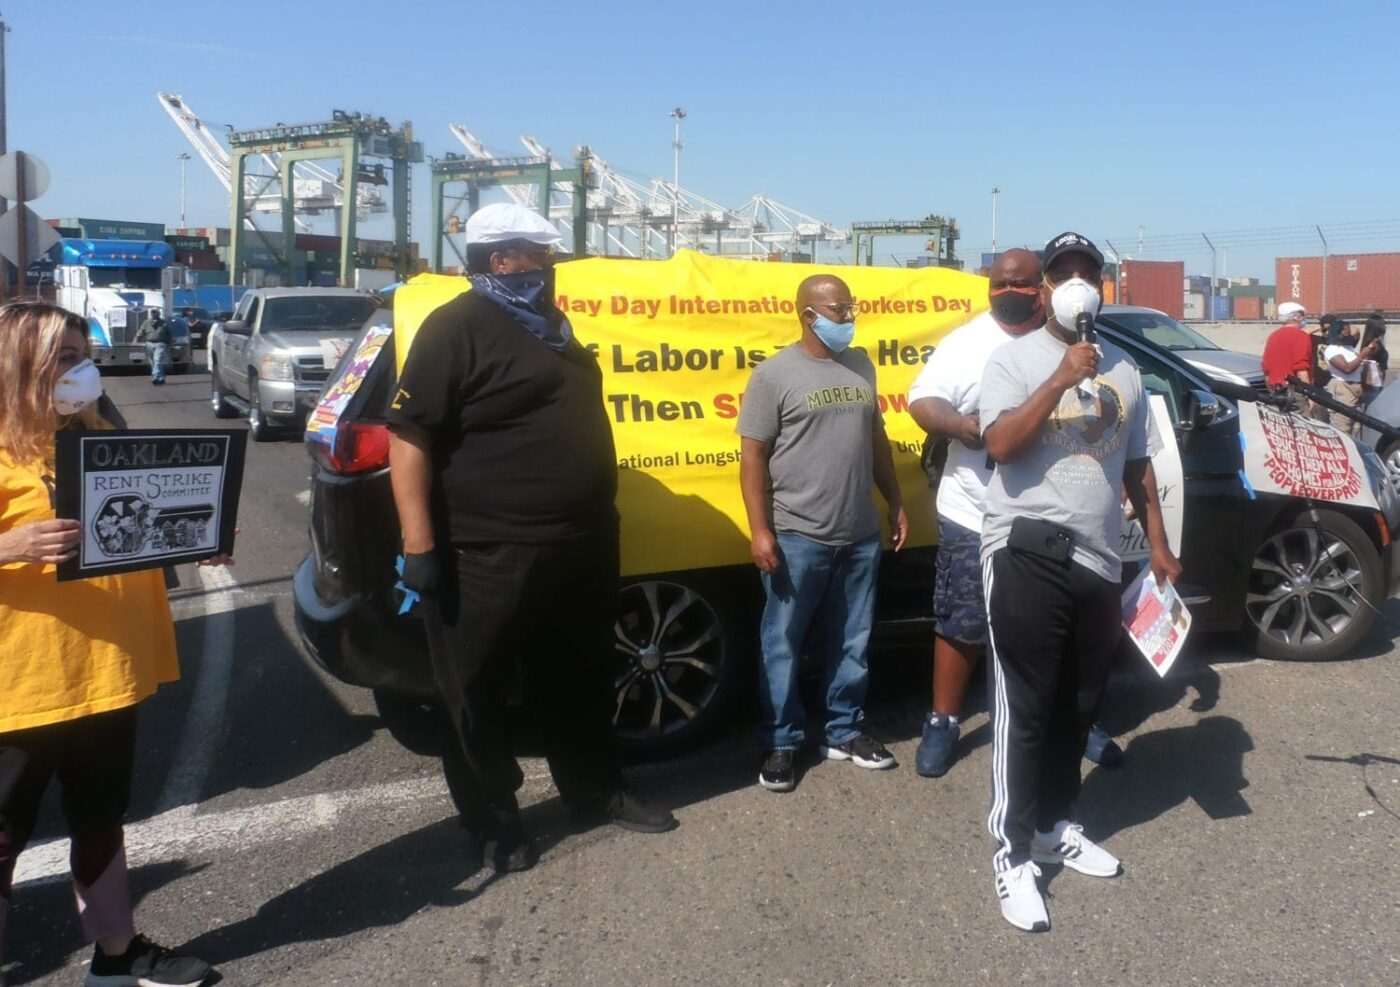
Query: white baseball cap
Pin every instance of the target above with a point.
(504, 221)
(1289, 310)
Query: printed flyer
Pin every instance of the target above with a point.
(1156, 620)
(148, 498)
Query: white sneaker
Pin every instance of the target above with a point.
(1021, 903)
(1066, 844)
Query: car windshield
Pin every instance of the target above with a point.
(1161, 329)
(317, 313)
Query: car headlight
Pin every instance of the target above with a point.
(273, 367)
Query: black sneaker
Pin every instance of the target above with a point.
(864, 750)
(145, 964)
(626, 810)
(777, 773)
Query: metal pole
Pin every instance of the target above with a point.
(183, 158)
(22, 244)
(1139, 253)
(1117, 272)
(678, 114)
(995, 192)
(1210, 303)
(1324, 266)
(4, 148)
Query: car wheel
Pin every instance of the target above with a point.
(258, 425)
(421, 727)
(1390, 455)
(1313, 588)
(217, 400)
(678, 658)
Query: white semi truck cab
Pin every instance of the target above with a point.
(114, 285)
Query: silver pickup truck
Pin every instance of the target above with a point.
(272, 358)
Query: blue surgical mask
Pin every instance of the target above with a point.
(835, 335)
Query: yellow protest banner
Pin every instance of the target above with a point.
(677, 340)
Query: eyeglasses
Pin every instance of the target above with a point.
(843, 310)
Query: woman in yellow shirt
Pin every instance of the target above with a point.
(75, 657)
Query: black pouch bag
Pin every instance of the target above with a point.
(1043, 538)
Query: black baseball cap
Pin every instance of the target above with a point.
(1068, 243)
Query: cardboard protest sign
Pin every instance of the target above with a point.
(1295, 456)
(148, 498)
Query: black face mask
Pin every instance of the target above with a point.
(1014, 308)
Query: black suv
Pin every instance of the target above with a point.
(1301, 579)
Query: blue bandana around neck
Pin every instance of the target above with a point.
(525, 298)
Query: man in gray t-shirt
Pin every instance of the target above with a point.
(813, 447)
(1065, 420)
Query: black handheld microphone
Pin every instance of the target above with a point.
(1084, 326)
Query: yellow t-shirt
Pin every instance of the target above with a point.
(69, 650)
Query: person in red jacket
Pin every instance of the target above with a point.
(1289, 350)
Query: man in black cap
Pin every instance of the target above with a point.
(504, 475)
(1066, 421)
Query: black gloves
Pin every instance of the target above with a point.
(421, 573)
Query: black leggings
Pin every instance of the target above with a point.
(92, 759)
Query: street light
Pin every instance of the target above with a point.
(182, 157)
(678, 114)
(995, 192)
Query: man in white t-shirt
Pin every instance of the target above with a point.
(943, 401)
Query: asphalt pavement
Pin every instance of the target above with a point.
(278, 831)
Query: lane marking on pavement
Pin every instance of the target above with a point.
(182, 833)
(204, 720)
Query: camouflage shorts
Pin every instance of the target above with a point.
(959, 611)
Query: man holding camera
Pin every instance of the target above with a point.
(1066, 421)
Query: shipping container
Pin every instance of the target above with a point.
(1251, 291)
(1110, 292)
(1220, 308)
(185, 243)
(115, 229)
(1356, 283)
(1249, 308)
(1154, 284)
(317, 242)
(1193, 306)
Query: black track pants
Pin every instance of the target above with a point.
(1054, 629)
(534, 623)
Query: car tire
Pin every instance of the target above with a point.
(680, 653)
(421, 727)
(258, 426)
(217, 399)
(1390, 455)
(1314, 584)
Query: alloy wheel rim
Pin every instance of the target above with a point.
(668, 653)
(1304, 587)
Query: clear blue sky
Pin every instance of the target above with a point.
(1178, 117)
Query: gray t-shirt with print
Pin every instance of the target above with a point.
(1072, 473)
(819, 417)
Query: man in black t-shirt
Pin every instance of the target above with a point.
(504, 475)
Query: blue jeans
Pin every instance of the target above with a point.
(822, 595)
(159, 356)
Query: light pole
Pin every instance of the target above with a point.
(183, 157)
(1325, 252)
(678, 114)
(995, 192)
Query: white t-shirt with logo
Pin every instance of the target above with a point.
(954, 373)
(1348, 354)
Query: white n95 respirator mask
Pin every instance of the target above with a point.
(77, 388)
(1073, 298)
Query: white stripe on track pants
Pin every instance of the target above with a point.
(1054, 630)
